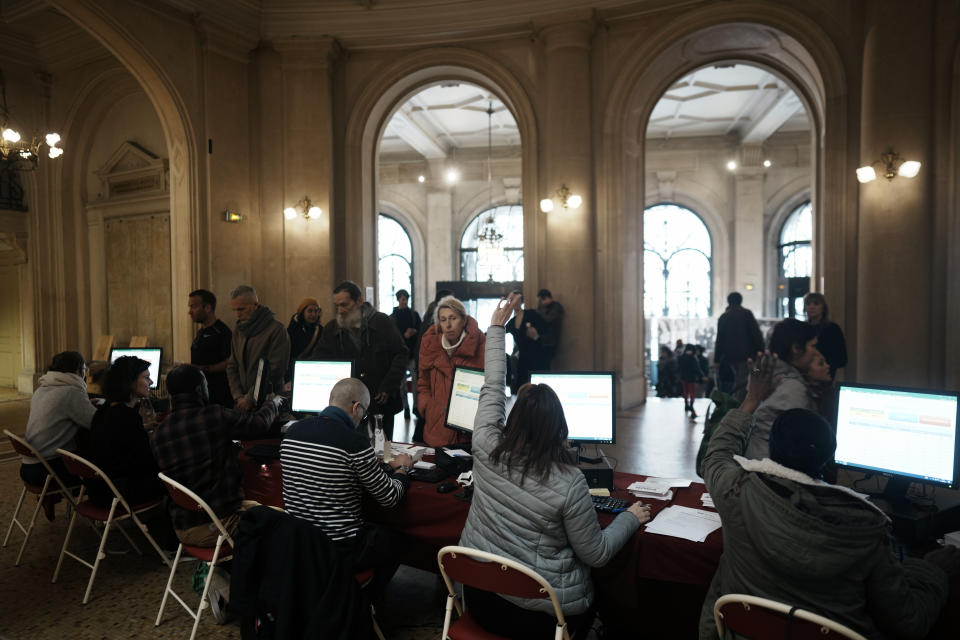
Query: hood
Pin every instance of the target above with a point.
(431, 349)
(61, 379)
(367, 311)
(840, 526)
(259, 321)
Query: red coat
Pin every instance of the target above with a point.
(435, 377)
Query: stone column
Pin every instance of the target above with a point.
(439, 229)
(895, 221)
(748, 230)
(567, 255)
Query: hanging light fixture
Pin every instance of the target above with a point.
(17, 153)
(489, 238)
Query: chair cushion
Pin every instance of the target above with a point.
(33, 488)
(363, 577)
(466, 628)
(95, 512)
(206, 553)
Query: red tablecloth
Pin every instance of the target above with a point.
(650, 575)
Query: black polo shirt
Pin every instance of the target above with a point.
(212, 346)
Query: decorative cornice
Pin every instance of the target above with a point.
(307, 53)
(225, 39)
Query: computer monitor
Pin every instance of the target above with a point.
(464, 398)
(153, 355)
(313, 380)
(909, 435)
(589, 403)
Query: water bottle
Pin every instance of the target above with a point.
(378, 438)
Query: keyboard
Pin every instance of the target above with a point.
(608, 504)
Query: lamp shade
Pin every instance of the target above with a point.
(909, 169)
(546, 205)
(866, 174)
(575, 201)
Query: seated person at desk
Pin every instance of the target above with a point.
(58, 408)
(118, 440)
(328, 464)
(791, 537)
(193, 446)
(531, 503)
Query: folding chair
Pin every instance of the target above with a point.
(761, 618)
(187, 499)
(119, 510)
(22, 447)
(364, 578)
(489, 572)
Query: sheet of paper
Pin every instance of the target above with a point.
(649, 487)
(457, 453)
(678, 483)
(684, 522)
(420, 464)
(645, 495)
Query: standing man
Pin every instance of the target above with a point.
(552, 312)
(258, 335)
(408, 324)
(369, 338)
(738, 338)
(211, 347)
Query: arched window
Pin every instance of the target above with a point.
(502, 265)
(676, 263)
(394, 262)
(796, 259)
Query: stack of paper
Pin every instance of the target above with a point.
(420, 464)
(684, 522)
(651, 489)
(707, 501)
(677, 483)
(411, 450)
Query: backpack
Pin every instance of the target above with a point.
(722, 403)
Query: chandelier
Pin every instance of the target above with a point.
(16, 153)
(489, 238)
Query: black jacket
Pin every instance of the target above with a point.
(738, 336)
(287, 582)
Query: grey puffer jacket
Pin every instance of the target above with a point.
(792, 392)
(810, 544)
(550, 527)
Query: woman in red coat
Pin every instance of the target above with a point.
(453, 340)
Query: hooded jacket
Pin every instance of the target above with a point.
(435, 377)
(378, 351)
(792, 392)
(810, 544)
(259, 337)
(58, 408)
(301, 335)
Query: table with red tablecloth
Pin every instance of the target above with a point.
(651, 575)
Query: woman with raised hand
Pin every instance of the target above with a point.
(454, 340)
(532, 504)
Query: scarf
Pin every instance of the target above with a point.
(451, 348)
(259, 321)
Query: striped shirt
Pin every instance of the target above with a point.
(327, 465)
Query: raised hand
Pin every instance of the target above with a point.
(505, 309)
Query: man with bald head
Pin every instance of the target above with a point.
(258, 335)
(327, 465)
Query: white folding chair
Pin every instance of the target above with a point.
(489, 572)
(756, 617)
(53, 485)
(119, 511)
(187, 499)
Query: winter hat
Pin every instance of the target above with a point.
(802, 440)
(306, 302)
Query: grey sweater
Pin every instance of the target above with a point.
(58, 408)
(549, 526)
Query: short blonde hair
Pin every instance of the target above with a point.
(453, 304)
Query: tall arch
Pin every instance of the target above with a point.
(356, 251)
(776, 37)
(102, 20)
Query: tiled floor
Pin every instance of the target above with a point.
(655, 439)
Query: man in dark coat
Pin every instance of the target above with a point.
(372, 341)
(738, 338)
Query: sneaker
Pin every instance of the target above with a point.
(219, 594)
(693, 414)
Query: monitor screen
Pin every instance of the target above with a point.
(902, 432)
(589, 403)
(313, 380)
(151, 355)
(464, 398)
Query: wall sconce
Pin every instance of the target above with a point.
(567, 200)
(232, 216)
(891, 165)
(304, 208)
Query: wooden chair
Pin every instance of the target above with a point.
(765, 619)
(119, 511)
(53, 485)
(138, 342)
(489, 572)
(187, 499)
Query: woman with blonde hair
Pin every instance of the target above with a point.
(453, 340)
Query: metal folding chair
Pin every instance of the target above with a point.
(53, 485)
(119, 511)
(489, 572)
(187, 499)
(755, 617)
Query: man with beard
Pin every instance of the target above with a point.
(258, 335)
(210, 350)
(372, 341)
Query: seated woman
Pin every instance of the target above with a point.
(532, 504)
(58, 408)
(118, 440)
(795, 345)
(454, 340)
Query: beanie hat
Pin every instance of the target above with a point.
(306, 302)
(802, 440)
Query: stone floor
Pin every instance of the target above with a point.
(655, 439)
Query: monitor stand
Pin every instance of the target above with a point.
(915, 521)
(895, 495)
(577, 449)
